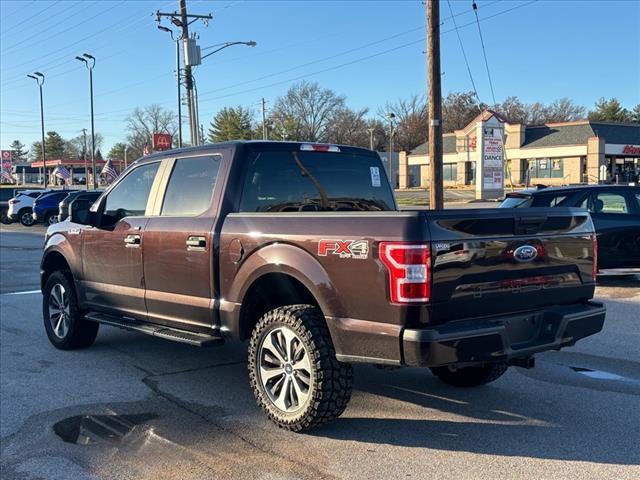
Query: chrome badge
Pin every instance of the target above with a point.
(525, 253)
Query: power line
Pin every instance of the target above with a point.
(484, 51)
(464, 54)
(29, 18)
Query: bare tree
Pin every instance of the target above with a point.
(143, 123)
(412, 124)
(349, 127)
(565, 110)
(458, 109)
(513, 110)
(305, 112)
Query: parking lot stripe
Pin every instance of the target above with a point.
(28, 292)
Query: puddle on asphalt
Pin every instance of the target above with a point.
(600, 375)
(89, 429)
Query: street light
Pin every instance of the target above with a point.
(90, 62)
(391, 116)
(39, 78)
(177, 41)
(250, 43)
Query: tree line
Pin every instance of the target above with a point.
(309, 112)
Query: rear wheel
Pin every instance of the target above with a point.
(51, 218)
(293, 369)
(64, 323)
(26, 217)
(470, 376)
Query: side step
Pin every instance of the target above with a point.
(168, 333)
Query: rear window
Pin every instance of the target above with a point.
(304, 181)
(516, 201)
(548, 200)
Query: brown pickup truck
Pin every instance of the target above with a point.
(300, 249)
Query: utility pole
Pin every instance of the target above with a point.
(181, 20)
(84, 157)
(436, 195)
(264, 119)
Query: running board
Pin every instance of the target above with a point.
(168, 333)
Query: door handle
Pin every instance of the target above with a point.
(196, 243)
(132, 240)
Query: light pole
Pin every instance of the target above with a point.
(39, 78)
(178, 75)
(90, 62)
(370, 130)
(125, 156)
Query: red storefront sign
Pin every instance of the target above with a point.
(631, 150)
(161, 141)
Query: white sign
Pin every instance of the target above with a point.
(375, 176)
(492, 159)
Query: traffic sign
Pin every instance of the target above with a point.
(7, 155)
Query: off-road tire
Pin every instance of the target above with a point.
(331, 380)
(81, 332)
(470, 376)
(25, 218)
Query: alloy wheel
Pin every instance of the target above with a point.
(285, 369)
(59, 310)
(27, 219)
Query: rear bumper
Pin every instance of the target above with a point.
(501, 338)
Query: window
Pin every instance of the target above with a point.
(638, 200)
(546, 167)
(548, 200)
(129, 197)
(191, 186)
(450, 171)
(322, 181)
(605, 203)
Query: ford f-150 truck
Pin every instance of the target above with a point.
(300, 249)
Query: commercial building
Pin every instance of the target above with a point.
(551, 154)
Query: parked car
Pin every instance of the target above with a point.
(300, 249)
(6, 194)
(63, 206)
(45, 207)
(615, 211)
(21, 206)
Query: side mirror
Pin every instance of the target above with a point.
(79, 212)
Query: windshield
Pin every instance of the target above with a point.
(516, 201)
(315, 181)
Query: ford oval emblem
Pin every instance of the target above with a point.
(525, 253)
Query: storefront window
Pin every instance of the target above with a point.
(546, 167)
(450, 171)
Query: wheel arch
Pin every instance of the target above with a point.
(274, 276)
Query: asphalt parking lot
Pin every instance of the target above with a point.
(135, 407)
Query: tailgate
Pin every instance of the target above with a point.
(494, 261)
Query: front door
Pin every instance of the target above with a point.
(179, 251)
(112, 258)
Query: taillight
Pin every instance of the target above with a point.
(409, 271)
(319, 147)
(594, 272)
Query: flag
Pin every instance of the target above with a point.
(62, 173)
(6, 176)
(145, 150)
(109, 170)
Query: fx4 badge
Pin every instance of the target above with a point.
(358, 249)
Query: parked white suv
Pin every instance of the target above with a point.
(21, 206)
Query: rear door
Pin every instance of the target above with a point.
(180, 246)
(493, 261)
(616, 218)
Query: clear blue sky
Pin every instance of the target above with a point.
(539, 51)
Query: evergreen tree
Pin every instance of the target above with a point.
(231, 124)
(609, 111)
(18, 151)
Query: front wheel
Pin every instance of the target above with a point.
(26, 217)
(293, 370)
(470, 376)
(64, 323)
